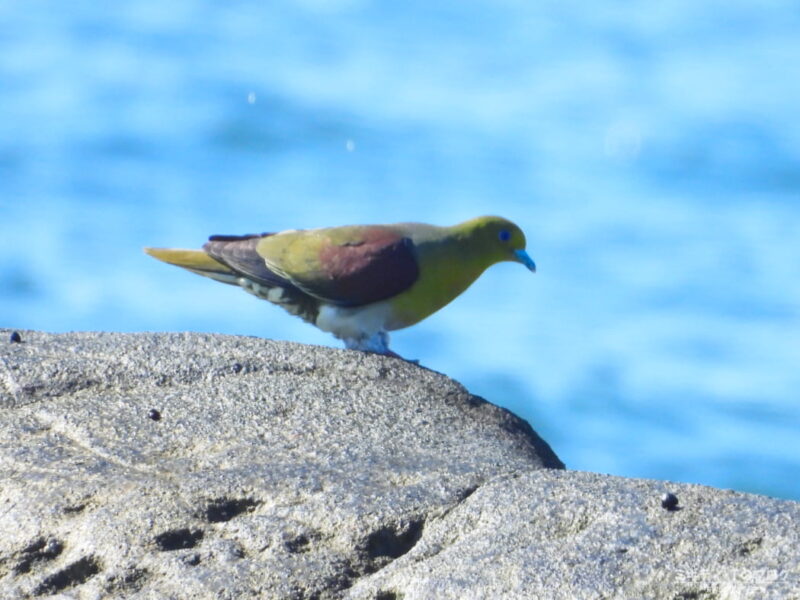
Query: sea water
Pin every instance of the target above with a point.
(651, 151)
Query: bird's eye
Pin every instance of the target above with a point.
(504, 235)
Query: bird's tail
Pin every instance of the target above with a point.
(196, 261)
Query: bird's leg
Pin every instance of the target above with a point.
(377, 343)
(380, 341)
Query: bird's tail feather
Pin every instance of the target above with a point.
(196, 261)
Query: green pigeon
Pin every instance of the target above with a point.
(358, 282)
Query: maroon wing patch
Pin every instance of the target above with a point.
(378, 266)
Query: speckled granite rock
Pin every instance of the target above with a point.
(567, 535)
(152, 466)
(204, 466)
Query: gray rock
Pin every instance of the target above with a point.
(200, 466)
(206, 466)
(574, 535)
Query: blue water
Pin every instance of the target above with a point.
(651, 151)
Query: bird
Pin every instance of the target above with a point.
(358, 282)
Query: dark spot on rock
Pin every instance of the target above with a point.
(298, 545)
(393, 543)
(75, 508)
(130, 580)
(134, 575)
(237, 367)
(466, 492)
(15, 337)
(192, 559)
(74, 574)
(178, 539)
(695, 595)
(387, 595)
(344, 578)
(34, 546)
(225, 509)
(39, 550)
(748, 547)
(53, 548)
(154, 414)
(669, 501)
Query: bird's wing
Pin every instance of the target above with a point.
(238, 252)
(347, 266)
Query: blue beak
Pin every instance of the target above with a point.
(526, 260)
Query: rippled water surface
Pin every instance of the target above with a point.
(650, 151)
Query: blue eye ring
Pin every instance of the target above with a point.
(504, 235)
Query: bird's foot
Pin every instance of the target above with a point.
(413, 361)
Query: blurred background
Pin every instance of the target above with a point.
(651, 151)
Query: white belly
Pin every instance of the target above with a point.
(354, 323)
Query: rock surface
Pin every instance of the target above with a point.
(203, 466)
(573, 535)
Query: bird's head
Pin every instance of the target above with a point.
(499, 240)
